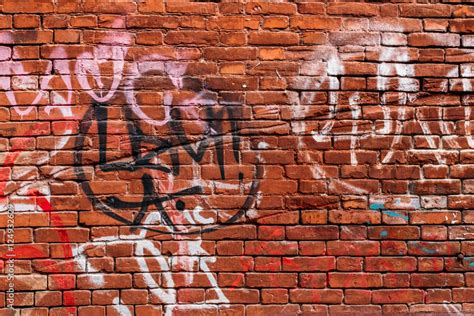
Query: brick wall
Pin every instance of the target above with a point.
(236, 158)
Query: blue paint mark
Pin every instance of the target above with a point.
(395, 214)
(383, 233)
(415, 244)
(469, 261)
(428, 251)
(376, 206)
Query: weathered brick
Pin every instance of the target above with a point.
(287, 157)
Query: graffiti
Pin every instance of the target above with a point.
(26, 251)
(161, 203)
(395, 214)
(147, 153)
(143, 161)
(163, 291)
(175, 156)
(368, 123)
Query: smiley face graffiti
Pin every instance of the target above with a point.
(170, 159)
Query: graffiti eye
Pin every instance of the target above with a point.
(180, 205)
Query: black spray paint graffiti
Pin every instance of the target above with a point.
(152, 199)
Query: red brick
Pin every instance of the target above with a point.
(349, 264)
(437, 280)
(24, 21)
(40, 6)
(358, 248)
(397, 296)
(426, 10)
(312, 232)
(200, 8)
(191, 37)
(313, 280)
(434, 232)
(357, 297)
(463, 295)
(61, 282)
(270, 8)
(360, 9)
(84, 21)
(391, 264)
(342, 309)
(430, 39)
(304, 22)
(394, 232)
(274, 296)
(433, 248)
(347, 38)
(461, 26)
(283, 280)
(26, 37)
(48, 298)
(262, 310)
(248, 296)
(355, 280)
(272, 248)
(273, 38)
(438, 295)
(111, 281)
(133, 296)
(103, 7)
(311, 8)
(316, 296)
(269, 264)
(301, 264)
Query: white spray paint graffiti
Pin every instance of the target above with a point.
(395, 73)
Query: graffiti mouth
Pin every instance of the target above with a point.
(109, 204)
(118, 203)
(133, 166)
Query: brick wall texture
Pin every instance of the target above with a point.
(257, 158)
